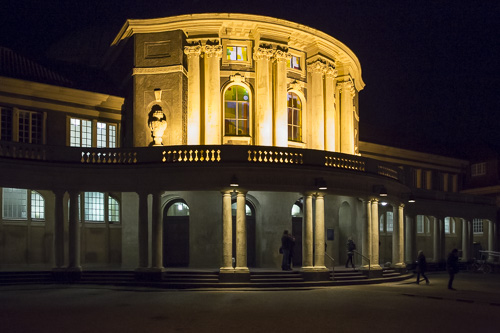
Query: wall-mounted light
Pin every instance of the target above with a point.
(383, 203)
(411, 198)
(381, 190)
(234, 181)
(320, 184)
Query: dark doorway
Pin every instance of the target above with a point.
(250, 225)
(176, 234)
(297, 223)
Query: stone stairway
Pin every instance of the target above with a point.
(26, 277)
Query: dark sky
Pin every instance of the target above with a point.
(431, 68)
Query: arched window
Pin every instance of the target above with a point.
(296, 210)
(37, 206)
(236, 111)
(178, 208)
(294, 117)
(113, 210)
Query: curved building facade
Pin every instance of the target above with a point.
(231, 128)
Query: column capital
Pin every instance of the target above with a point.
(192, 51)
(347, 86)
(331, 72)
(317, 67)
(213, 51)
(281, 55)
(263, 52)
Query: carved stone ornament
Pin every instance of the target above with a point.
(237, 78)
(347, 86)
(281, 55)
(317, 67)
(192, 50)
(263, 53)
(213, 50)
(296, 86)
(157, 123)
(331, 72)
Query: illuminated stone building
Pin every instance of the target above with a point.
(228, 129)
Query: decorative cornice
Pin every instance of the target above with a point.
(192, 51)
(159, 70)
(213, 51)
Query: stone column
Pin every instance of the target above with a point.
(59, 229)
(436, 241)
(410, 233)
(330, 112)
(319, 233)
(491, 238)
(213, 131)
(263, 96)
(366, 233)
(346, 117)
(307, 243)
(157, 233)
(374, 259)
(465, 241)
(317, 119)
(280, 136)
(74, 233)
(143, 232)
(194, 102)
(241, 233)
(398, 239)
(227, 233)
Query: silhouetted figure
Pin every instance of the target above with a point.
(421, 267)
(350, 252)
(286, 245)
(452, 267)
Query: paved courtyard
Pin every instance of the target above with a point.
(393, 307)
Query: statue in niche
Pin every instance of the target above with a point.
(157, 123)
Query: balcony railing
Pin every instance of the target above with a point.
(200, 155)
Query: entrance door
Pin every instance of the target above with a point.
(297, 233)
(176, 235)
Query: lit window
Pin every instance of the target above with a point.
(80, 133)
(236, 111)
(390, 221)
(236, 53)
(5, 124)
(15, 204)
(294, 117)
(30, 127)
(478, 169)
(248, 210)
(296, 211)
(94, 206)
(178, 209)
(113, 211)
(37, 206)
(106, 135)
(477, 226)
(420, 224)
(447, 225)
(381, 223)
(293, 62)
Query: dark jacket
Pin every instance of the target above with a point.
(452, 263)
(421, 263)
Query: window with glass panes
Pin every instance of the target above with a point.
(37, 206)
(30, 127)
(5, 124)
(294, 117)
(477, 226)
(420, 224)
(113, 210)
(389, 221)
(94, 206)
(236, 111)
(106, 135)
(236, 53)
(80, 133)
(15, 203)
(293, 62)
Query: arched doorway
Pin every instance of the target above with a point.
(176, 234)
(297, 218)
(250, 225)
(346, 231)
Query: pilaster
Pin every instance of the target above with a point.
(263, 96)
(331, 125)
(280, 136)
(212, 53)
(193, 53)
(316, 71)
(347, 135)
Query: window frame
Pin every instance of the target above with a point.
(93, 135)
(302, 60)
(238, 139)
(237, 43)
(300, 142)
(478, 169)
(28, 198)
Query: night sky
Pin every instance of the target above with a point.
(431, 68)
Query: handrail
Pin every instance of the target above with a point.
(369, 267)
(333, 262)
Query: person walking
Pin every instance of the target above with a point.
(452, 267)
(286, 244)
(351, 246)
(421, 267)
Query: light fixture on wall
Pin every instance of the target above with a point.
(320, 184)
(234, 181)
(411, 198)
(381, 190)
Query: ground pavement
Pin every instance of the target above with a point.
(391, 307)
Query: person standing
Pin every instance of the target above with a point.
(351, 246)
(421, 267)
(452, 267)
(285, 249)
(292, 246)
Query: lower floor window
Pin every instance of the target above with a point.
(16, 206)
